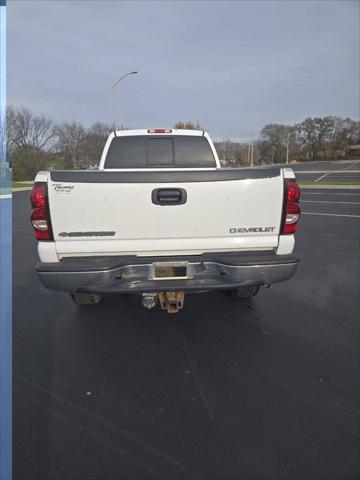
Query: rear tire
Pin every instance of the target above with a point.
(86, 298)
(244, 292)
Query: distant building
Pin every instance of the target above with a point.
(354, 151)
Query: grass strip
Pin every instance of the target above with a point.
(22, 184)
(5, 191)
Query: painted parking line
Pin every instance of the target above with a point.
(322, 176)
(328, 201)
(330, 214)
(349, 166)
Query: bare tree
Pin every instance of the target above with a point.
(94, 141)
(2, 138)
(231, 154)
(17, 126)
(102, 129)
(42, 132)
(4, 167)
(188, 125)
(27, 130)
(70, 138)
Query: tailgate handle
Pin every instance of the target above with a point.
(169, 196)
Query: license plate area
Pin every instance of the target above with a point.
(170, 271)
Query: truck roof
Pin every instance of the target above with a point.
(159, 131)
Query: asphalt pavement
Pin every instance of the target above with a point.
(326, 165)
(319, 175)
(261, 389)
(348, 170)
(5, 335)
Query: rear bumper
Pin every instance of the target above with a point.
(131, 274)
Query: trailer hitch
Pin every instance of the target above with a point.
(171, 301)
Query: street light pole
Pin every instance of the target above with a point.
(114, 96)
(287, 146)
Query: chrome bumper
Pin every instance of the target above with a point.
(137, 275)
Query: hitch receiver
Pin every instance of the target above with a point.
(171, 301)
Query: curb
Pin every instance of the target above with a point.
(21, 189)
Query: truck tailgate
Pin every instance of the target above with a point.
(112, 213)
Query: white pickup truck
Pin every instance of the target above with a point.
(160, 217)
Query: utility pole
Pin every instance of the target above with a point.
(114, 97)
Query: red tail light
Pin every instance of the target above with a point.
(291, 212)
(40, 217)
(159, 130)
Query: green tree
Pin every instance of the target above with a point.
(273, 144)
(28, 160)
(345, 132)
(315, 134)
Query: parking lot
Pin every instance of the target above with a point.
(260, 389)
(347, 171)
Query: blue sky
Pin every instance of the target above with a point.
(231, 66)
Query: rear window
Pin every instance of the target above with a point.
(165, 151)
